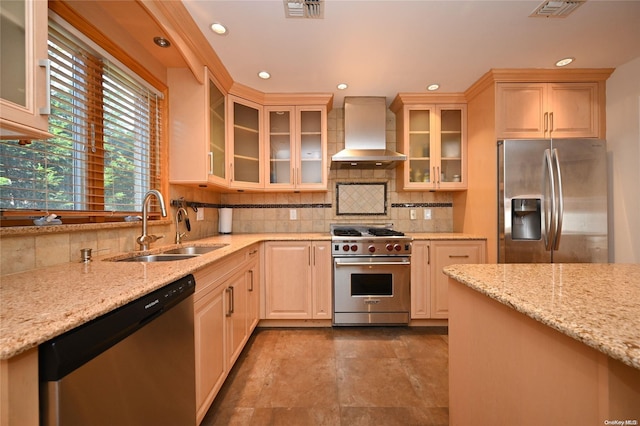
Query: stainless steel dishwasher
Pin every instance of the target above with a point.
(132, 366)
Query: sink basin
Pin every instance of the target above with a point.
(158, 257)
(194, 250)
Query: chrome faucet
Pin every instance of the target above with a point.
(179, 235)
(144, 240)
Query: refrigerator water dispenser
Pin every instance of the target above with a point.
(526, 219)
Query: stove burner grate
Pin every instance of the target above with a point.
(347, 232)
(383, 232)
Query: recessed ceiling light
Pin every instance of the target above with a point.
(433, 87)
(342, 86)
(219, 29)
(264, 75)
(564, 62)
(162, 42)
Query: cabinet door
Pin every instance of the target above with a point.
(280, 147)
(245, 143)
(321, 275)
(24, 94)
(573, 110)
(311, 138)
(419, 147)
(288, 292)
(253, 290)
(209, 317)
(420, 263)
(236, 294)
(520, 110)
(216, 130)
(451, 167)
(446, 253)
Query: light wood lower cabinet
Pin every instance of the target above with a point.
(429, 285)
(226, 312)
(298, 280)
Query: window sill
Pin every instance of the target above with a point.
(11, 231)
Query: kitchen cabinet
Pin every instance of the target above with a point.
(429, 286)
(19, 390)
(544, 110)
(433, 136)
(245, 147)
(297, 280)
(226, 305)
(197, 152)
(296, 147)
(24, 70)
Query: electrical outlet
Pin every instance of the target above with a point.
(412, 214)
(293, 214)
(427, 214)
(200, 214)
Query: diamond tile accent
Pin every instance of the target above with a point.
(361, 198)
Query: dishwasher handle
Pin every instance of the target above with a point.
(67, 352)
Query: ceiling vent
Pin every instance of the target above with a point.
(556, 9)
(304, 9)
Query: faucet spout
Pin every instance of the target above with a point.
(180, 214)
(145, 239)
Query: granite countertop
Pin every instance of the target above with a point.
(596, 304)
(40, 304)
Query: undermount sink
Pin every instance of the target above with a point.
(157, 258)
(195, 250)
(169, 255)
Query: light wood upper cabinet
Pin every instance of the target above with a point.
(544, 110)
(198, 143)
(24, 70)
(298, 280)
(296, 147)
(433, 137)
(245, 143)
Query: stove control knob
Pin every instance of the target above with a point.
(372, 249)
(354, 248)
(389, 247)
(345, 247)
(397, 247)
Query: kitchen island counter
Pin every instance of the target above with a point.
(544, 343)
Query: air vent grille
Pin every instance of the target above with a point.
(556, 9)
(304, 9)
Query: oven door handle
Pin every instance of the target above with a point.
(404, 262)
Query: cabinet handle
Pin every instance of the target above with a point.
(251, 282)
(438, 176)
(46, 63)
(309, 253)
(434, 177)
(252, 252)
(314, 256)
(210, 162)
(453, 256)
(546, 122)
(550, 122)
(428, 255)
(230, 172)
(231, 301)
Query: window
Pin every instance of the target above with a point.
(105, 151)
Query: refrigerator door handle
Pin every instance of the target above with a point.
(549, 213)
(560, 200)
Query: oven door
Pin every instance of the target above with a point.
(371, 290)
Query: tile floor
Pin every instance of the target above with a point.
(338, 376)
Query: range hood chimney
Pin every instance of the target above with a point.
(365, 136)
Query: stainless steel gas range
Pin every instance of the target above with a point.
(371, 275)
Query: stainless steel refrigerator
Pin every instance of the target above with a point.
(552, 201)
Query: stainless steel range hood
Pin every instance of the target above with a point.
(365, 136)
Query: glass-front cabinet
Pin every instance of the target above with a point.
(24, 70)
(296, 147)
(434, 139)
(245, 143)
(198, 143)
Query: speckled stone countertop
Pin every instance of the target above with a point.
(38, 305)
(596, 304)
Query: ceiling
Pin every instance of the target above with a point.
(383, 47)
